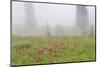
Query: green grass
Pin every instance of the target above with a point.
(75, 49)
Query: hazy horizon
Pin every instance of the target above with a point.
(51, 14)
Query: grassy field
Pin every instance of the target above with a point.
(41, 50)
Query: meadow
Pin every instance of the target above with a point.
(54, 49)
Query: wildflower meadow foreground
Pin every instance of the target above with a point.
(44, 50)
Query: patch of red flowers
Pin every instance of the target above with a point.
(40, 50)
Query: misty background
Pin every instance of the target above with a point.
(41, 19)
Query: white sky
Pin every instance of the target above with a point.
(51, 13)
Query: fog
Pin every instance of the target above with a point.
(41, 19)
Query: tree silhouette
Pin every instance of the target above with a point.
(82, 22)
(92, 31)
(48, 30)
(30, 19)
(59, 30)
(30, 15)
